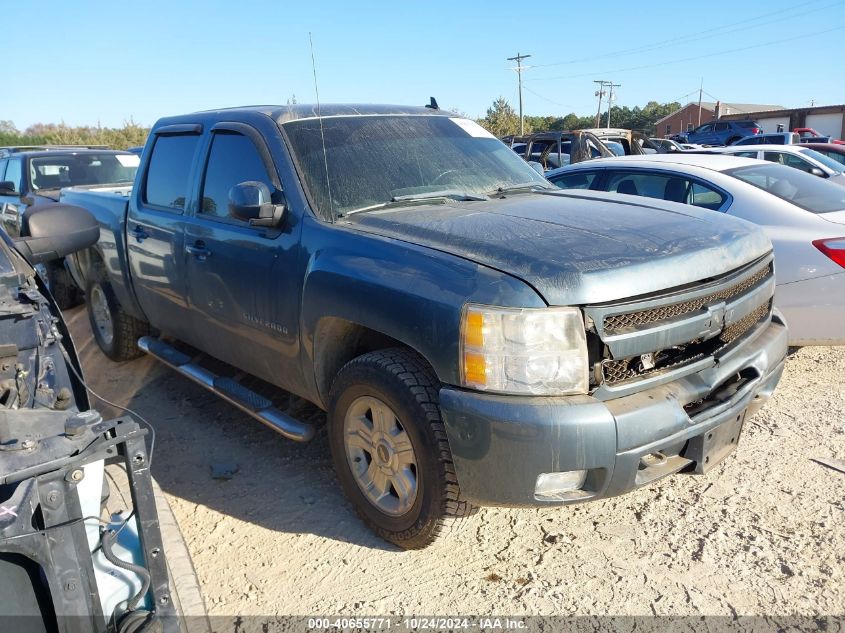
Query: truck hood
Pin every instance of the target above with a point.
(582, 248)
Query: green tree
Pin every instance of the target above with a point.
(501, 119)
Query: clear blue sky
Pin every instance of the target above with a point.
(86, 62)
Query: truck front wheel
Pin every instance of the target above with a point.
(390, 449)
(115, 331)
(64, 291)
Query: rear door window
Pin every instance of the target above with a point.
(701, 195)
(169, 170)
(663, 186)
(746, 154)
(233, 159)
(3, 162)
(649, 184)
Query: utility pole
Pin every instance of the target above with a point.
(599, 94)
(610, 85)
(700, 90)
(518, 59)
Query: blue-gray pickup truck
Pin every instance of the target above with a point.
(476, 336)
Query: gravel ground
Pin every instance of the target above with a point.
(761, 534)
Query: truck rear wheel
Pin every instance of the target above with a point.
(390, 449)
(115, 331)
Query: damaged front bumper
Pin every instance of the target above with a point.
(502, 444)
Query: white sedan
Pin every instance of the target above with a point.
(802, 214)
(802, 158)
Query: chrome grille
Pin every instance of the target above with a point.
(735, 330)
(617, 323)
(616, 371)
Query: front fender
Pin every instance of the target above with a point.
(404, 291)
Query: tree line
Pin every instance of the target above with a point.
(130, 135)
(502, 119)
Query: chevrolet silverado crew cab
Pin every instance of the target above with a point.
(476, 335)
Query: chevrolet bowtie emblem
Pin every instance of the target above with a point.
(716, 324)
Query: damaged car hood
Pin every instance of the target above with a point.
(582, 248)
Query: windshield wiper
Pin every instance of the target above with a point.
(522, 187)
(429, 197)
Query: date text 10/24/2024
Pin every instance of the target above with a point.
(416, 623)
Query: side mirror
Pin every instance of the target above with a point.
(7, 188)
(251, 201)
(55, 231)
(818, 172)
(538, 167)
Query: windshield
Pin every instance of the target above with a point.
(824, 160)
(809, 192)
(70, 170)
(371, 160)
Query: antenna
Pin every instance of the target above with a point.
(322, 135)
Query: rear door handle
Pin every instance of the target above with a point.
(139, 233)
(198, 250)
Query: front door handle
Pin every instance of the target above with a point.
(198, 250)
(139, 233)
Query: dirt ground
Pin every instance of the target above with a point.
(761, 534)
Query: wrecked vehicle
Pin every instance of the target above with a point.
(631, 142)
(476, 335)
(557, 149)
(78, 552)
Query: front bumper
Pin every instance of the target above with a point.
(501, 444)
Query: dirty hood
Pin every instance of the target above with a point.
(582, 248)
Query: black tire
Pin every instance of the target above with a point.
(126, 329)
(62, 286)
(405, 383)
(185, 590)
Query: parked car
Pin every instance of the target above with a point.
(834, 151)
(777, 138)
(87, 541)
(667, 144)
(796, 156)
(809, 135)
(476, 337)
(554, 149)
(721, 132)
(33, 175)
(801, 214)
(671, 145)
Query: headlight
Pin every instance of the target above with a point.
(541, 351)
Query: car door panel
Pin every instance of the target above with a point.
(155, 234)
(242, 303)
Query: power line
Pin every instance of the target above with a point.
(696, 57)
(706, 34)
(518, 59)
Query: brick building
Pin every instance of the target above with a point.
(691, 116)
